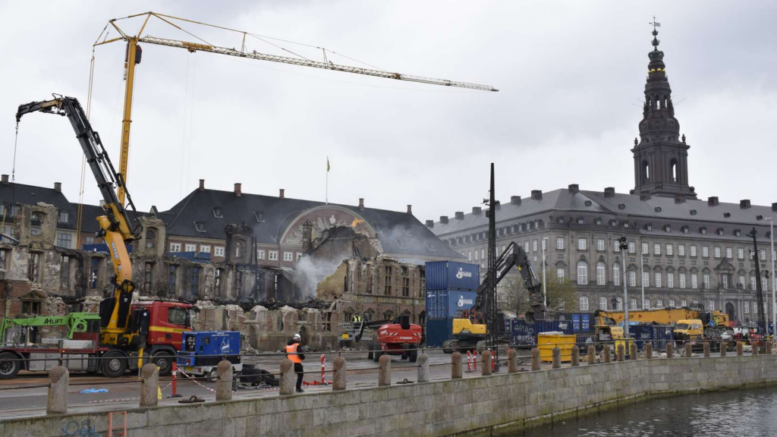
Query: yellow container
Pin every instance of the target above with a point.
(546, 343)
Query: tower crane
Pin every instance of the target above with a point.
(134, 56)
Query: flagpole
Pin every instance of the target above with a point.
(327, 181)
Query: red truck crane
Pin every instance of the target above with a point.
(128, 330)
(392, 337)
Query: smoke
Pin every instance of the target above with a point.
(309, 272)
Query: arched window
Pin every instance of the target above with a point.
(616, 274)
(150, 237)
(659, 303)
(601, 277)
(238, 249)
(583, 303)
(582, 273)
(673, 170)
(645, 172)
(603, 303)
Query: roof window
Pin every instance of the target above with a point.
(217, 212)
(259, 216)
(200, 226)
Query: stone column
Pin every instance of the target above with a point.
(606, 353)
(754, 348)
(591, 355)
(621, 352)
(485, 369)
(556, 358)
(224, 381)
(723, 346)
(706, 349)
(649, 351)
(384, 371)
(149, 385)
(768, 347)
(456, 370)
(740, 349)
(670, 349)
(575, 356)
(338, 379)
(288, 378)
(512, 361)
(423, 368)
(633, 354)
(59, 380)
(535, 359)
(688, 351)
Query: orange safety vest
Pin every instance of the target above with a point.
(291, 353)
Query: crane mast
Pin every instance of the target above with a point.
(134, 56)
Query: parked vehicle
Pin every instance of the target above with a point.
(204, 350)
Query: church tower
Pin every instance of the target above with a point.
(660, 156)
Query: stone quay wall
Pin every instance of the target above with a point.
(489, 405)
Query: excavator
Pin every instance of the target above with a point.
(128, 329)
(470, 331)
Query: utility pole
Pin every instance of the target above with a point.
(492, 316)
(758, 287)
(774, 280)
(544, 282)
(625, 245)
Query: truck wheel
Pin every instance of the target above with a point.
(212, 376)
(114, 364)
(9, 366)
(163, 360)
(413, 356)
(369, 355)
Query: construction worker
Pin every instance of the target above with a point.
(292, 353)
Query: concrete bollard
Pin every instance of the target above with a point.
(723, 347)
(768, 347)
(423, 368)
(706, 349)
(224, 381)
(606, 353)
(288, 378)
(485, 369)
(535, 359)
(688, 351)
(670, 349)
(649, 351)
(338, 379)
(754, 345)
(384, 371)
(556, 358)
(149, 385)
(591, 355)
(512, 361)
(59, 380)
(621, 352)
(456, 367)
(575, 356)
(633, 354)
(740, 349)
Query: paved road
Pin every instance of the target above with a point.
(26, 395)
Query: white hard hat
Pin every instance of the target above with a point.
(297, 337)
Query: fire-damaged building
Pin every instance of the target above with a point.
(249, 262)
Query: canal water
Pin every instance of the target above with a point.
(749, 413)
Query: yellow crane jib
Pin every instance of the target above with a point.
(115, 226)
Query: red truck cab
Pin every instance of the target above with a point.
(166, 322)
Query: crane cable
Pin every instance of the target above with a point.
(79, 214)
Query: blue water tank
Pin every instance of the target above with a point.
(450, 275)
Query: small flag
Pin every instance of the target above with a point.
(328, 167)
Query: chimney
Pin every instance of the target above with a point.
(744, 203)
(644, 196)
(713, 201)
(238, 189)
(679, 198)
(515, 200)
(609, 192)
(5, 179)
(430, 223)
(536, 194)
(573, 188)
(444, 219)
(202, 185)
(282, 193)
(58, 187)
(476, 210)
(459, 215)
(774, 206)
(361, 203)
(409, 209)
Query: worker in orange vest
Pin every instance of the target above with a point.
(292, 353)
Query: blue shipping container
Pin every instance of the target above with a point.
(581, 323)
(438, 331)
(449, 275)
(443, 304)
(657, 334)
(525, 334)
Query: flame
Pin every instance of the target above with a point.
(356, 222)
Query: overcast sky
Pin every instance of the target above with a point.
(571, 77)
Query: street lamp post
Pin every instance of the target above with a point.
(623, 246)
(544, 282)
(642, 272)
(774, 279)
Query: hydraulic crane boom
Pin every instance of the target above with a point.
(115, 226)
(134, 54)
